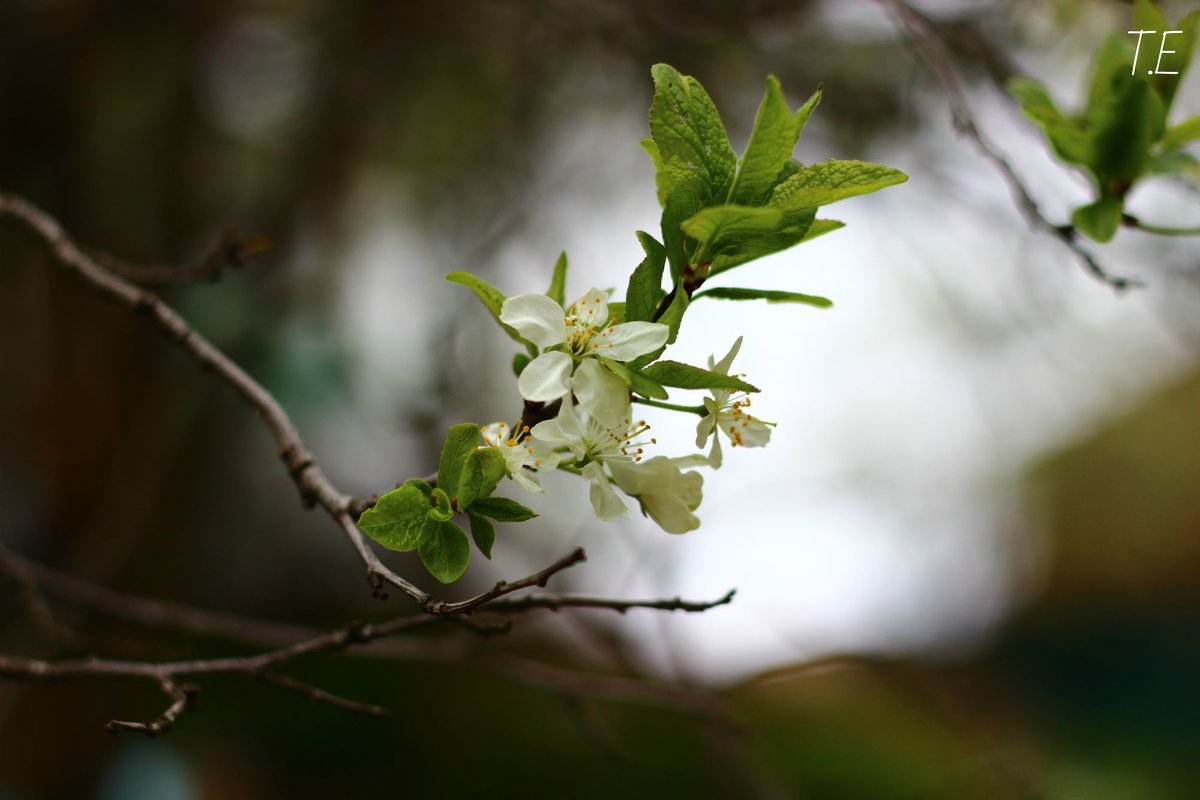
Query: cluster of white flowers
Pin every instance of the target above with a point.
(594, 434)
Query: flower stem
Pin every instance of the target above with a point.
(698, 410)
(571, 468)
(1134, 222)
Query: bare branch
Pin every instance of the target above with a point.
(182, 697)
(232, 252)
(145, 611)
(322, 696)
(926, 38)
(554, 602)
(502, 588)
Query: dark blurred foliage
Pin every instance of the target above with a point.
(149, 129)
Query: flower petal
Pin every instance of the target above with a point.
(725, 363)
(627, 341)
(528, 481)
(566, 430)
(605, 501)
(536, 317)
(745, 431)
(591, 309)
(546, 377)
(668, 495)
(601, 393)
(705, 428)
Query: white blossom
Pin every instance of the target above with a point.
(572, 342)
(727, 411)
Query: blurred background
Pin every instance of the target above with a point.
(966, 563)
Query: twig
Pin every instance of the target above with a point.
(182, 697)
(315, 488)
(148, 612)
(322, 696)
(556, 602)
(232, 252)
(927, 40)
(502, 588)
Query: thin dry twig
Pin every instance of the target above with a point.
(928, 42)
(555, 602)
(322, 696)
(231, 253)
(182, 698)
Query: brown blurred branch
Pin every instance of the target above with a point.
(928, 42)
(231, 253)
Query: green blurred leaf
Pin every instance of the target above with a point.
(1181, 134)
(558, 281)
(397, 519)
(483, 532)
(1125, 125)
(1067, 137)
(461, 441)
(491, 297)
(833, 180)
(502, 509)
(1099, 220)
(481, 472)
(685, 376)
(774, 137)
(645, 284)
(770, 295)
(445, 551)
(519, 363)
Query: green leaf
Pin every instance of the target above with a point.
(1174, 162)
(770, 295)
(792, 231)
(1100, 220)
(616, 313)
(820, 227)
(833, 180)
(724, 230)
(397, 519)
(636, 380)
(1067, 136)
(805, 111)
(663, 182)
(1113, 60)
(442, 510)
(693, 148)
(1147, 17)
(685, 376)
(558, 281)
(483, 532)
(681, 204)
(502, 509)
(1125, 125)
(519, 363)
(481, 472)
(774, 137)
(446, 552)
(1181, 134)
(421, 485)
(461, 441)
(645, 284)
(673, 317)
(491, 297)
